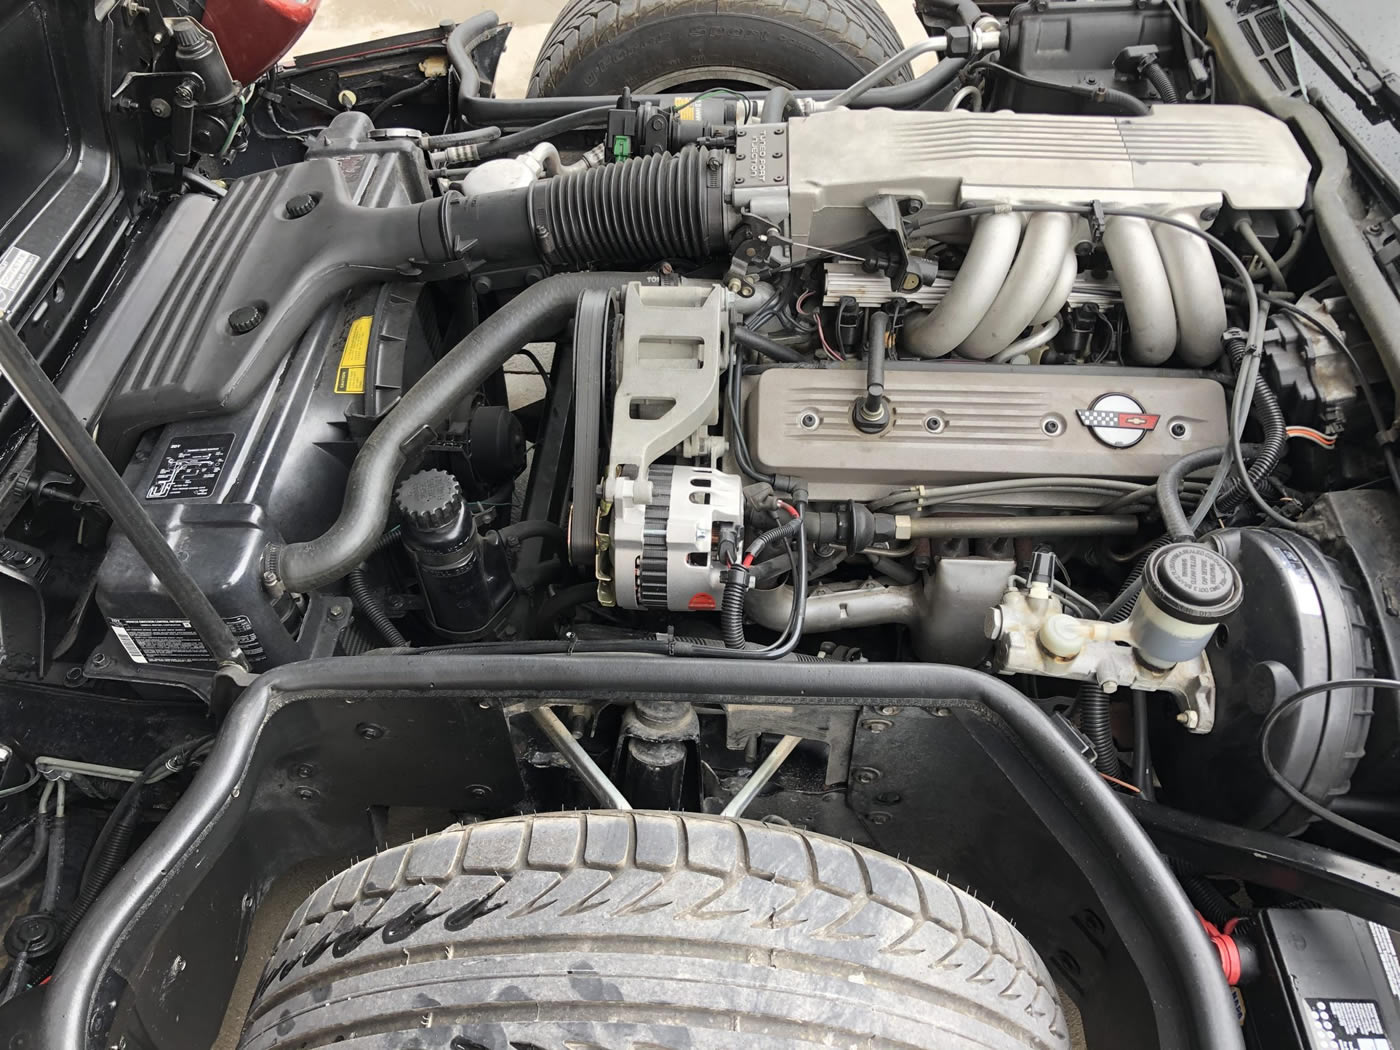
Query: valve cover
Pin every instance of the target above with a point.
(962, 423)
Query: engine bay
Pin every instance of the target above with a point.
(1028, 377)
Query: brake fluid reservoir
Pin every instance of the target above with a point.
(1187, 590)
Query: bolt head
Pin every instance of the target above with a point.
(739, 181)
(160, 107)
(245, 319)
(304, 770)
(879, 817)
(369, 731)
(306, 794)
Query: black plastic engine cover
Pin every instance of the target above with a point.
(223, 488)
(231, 285)
(234, 441)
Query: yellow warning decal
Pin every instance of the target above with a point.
(350, 373)
(684, 109)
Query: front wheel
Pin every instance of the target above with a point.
(598, 47)
(657, 930)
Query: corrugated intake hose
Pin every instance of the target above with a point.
(1270, 450)
(1096, 724)
(655, 207)
(535, 313)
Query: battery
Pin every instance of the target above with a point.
(1329, 981)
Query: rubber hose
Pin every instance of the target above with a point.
(965, 11)
(30, 863)
(58, 844)
(655, 207)
(560, 602)
(1275, 435)
(520, 141)
(1096, 724)
(17, 834)
(536, 313)
(1121, 607)
(397, 97)
(893, 568)
(769, 348)
(462, 138)
(371, 609)
(534, 529)
(776, 105)
(731, 613)
(1142, 747)
(468, 80)
(1178, 525)
(1158, 77)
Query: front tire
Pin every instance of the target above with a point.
(623, 930)
(598, 47)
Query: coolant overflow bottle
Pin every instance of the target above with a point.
(465, 577)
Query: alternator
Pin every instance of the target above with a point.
(666, 535)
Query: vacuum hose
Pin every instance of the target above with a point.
(536, 313)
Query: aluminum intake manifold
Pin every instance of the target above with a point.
(1180, 162)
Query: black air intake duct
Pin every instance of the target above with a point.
(662, 206)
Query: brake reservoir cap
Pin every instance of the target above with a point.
(1187, 590)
